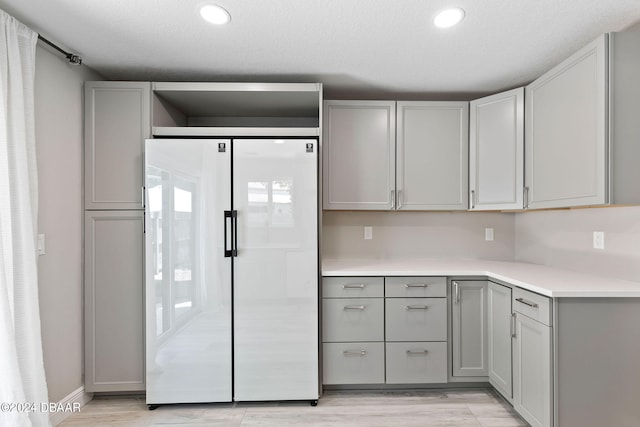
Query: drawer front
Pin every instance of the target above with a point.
(416, 319)
(352, 287)
(416, 362)
(352, 319)
(535, 306)
(406, 287)
(353, 363)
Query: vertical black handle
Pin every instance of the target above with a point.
(227, 252)
(234, 227)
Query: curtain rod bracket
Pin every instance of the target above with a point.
(71, 57)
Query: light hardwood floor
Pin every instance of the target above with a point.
(468, 408)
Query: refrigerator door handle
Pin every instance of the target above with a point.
(234, 228)
(227, 252)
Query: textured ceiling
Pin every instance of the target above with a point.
(357, 48)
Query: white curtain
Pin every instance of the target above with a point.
(22, 378)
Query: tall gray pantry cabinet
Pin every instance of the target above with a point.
(117, 121)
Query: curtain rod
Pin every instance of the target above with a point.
(72, 58)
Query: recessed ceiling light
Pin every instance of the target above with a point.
(448, 17)
(215, 14)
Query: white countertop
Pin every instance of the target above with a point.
(552, 282)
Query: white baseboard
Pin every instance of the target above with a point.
(72, 400)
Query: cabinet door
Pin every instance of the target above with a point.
(359, 155)
(496, 151)
(432, 157)
(114, 283)
(566, 145)
(117, 121)
(469, 328)
(532, 371)
(499, 338)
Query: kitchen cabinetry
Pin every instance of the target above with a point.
(582, 129)
(416, 330)
(432, 155)
(353, 330)
(359, 169)
(114, 283)
(378, 330)
(499, 334)
(532, 358)
(496, 151)
(117, 121)
(367, 168)
(469, 328)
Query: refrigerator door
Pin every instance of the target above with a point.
(188, 278)
(275, 193)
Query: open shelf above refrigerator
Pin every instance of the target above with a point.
(236, 109)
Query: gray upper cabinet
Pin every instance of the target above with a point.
(117, 121)
(499, 328)
(496, 151)
(359, 155)
(469, 328)
(582, 127)
(432, 155)
(114, 283)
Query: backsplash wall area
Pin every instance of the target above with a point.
(564, 238)
(418, 235)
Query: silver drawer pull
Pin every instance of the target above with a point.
(415, 352)
(354, 307)
(416, 285)
(358, 353)
(417, 307)
(354, 286)
(525, 302)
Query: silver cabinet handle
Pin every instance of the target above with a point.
(420, 352)
(456, 288)
(400, 199)
(416, 285)
(393, 199)
(358, 353)
(513, 325)
(354, 286)
(354, 307)
(143, 201)
(473, 199)
(528, 303)
(417, 307)
(526, 197)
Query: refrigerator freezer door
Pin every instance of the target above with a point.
(188, 279)
(276, 270)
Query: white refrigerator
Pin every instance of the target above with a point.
(231, 270)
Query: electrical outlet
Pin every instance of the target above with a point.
(368, 233)
(598, 239)
(488, 234)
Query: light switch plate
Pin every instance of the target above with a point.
(598, 239)
(368, 233)
(488, 234)
(40, 246)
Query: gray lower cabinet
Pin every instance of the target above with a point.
(416, 362)
(499, 337)
(469, 328)
(532, 358)
(114, 283)
(117, 121)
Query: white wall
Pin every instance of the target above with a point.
(59, 130)
(418, 235)
(564, 238)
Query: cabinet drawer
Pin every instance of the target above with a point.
(536, 306)
(415, 287)
(416, 319)
(352, 287)
(353, 319)
(416, 362)
(353, 363)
